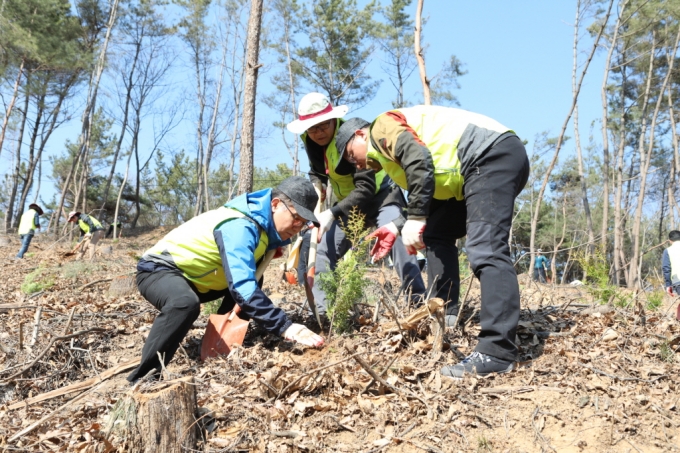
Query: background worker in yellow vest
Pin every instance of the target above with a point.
(670, 263)
(91, 231)
(215, 255)
(30, 221)
(463, 172)
(372, 192)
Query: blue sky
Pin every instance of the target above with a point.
(518, 55)
(518, 58)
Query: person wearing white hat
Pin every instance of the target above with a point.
(372, 192)
(91, 231)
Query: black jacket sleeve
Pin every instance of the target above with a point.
(361, 196)
(317, 166)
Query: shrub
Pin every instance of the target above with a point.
(345, 285)
(655, 300)
(596, 268)
(75, 269)
(38, 280)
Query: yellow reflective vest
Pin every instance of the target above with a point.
(192, 249)
(27, 224)
(442, 129)
(86, 228)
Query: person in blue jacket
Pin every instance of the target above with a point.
(215, 255)
(540, 265)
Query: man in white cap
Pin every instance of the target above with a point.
(372, 192)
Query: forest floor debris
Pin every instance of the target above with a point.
(590, 377)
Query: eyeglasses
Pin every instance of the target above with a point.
(297, 220)
(349, 153)
(321, 127)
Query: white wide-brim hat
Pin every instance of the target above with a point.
(315, 108)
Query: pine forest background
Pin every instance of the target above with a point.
(605, 203)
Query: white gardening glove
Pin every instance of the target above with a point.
(325, 219)
(412, 234)
(300, 334)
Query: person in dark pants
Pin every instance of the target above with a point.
(119, 230)
(215, 255)
(372, 192)
(30, 221)
(540, 265)
(463, 172)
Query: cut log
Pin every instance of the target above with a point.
(166, 418)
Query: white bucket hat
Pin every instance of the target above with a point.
(315, 108)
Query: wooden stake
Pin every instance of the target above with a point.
(36, 326)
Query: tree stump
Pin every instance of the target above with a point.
(163, 420)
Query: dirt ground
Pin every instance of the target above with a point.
(588, 380)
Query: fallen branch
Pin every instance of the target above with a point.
(316, 370)
(93, 283)
(6, 307)
(386, 384)
(30, 428)
(621, 378)
(521, 389)
(83, 385)
(51, 343)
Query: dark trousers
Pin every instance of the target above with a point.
(179, 303)
(491, 186)
(539, 274)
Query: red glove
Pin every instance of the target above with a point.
(279, 252)
(386, 236)
(669, 290)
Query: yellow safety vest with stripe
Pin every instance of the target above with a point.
(674, 257)
(441, 129)
(192, 249)
(27, 223)
(342, 185)
(86, 228)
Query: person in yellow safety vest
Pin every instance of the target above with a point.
(463, 172)
(371, 191)
(215, 255)
(91, 231)
(30, 221)
(670, 263)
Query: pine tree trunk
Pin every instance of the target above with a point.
(419, 54)
(560, 140)
(250, 96)
(10, 107)
(15, 176)
(605, 135)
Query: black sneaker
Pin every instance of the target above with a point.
(478, 364)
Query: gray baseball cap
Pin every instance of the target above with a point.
(303, 196)
(345, 133)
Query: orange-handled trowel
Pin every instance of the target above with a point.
(226, 331)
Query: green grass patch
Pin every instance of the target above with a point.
(38, 280)
(655, 300)
(210, 308)
(74, 269)
(666, 352)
